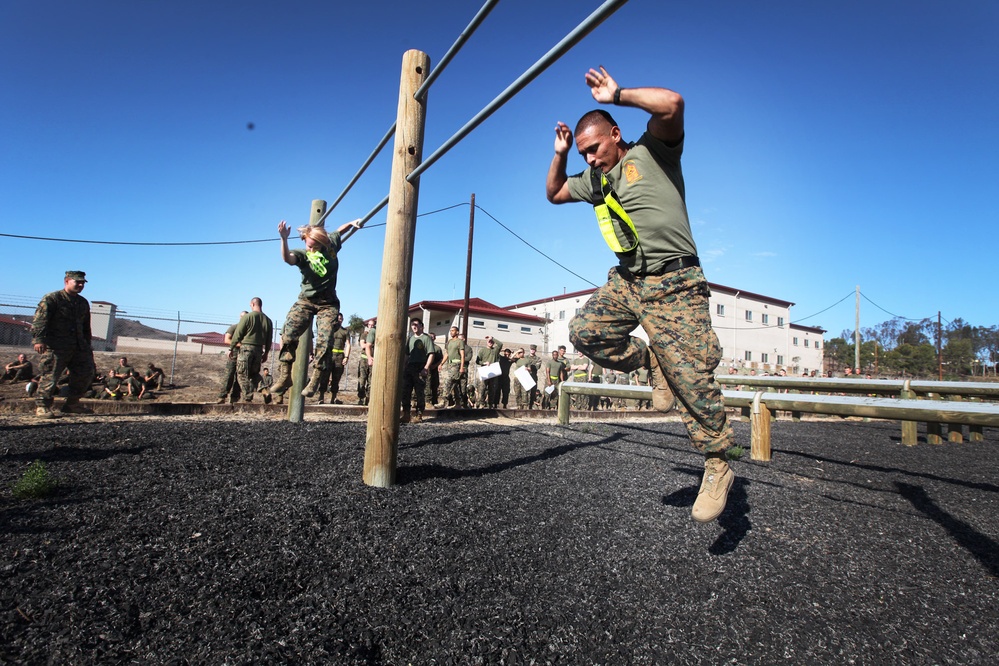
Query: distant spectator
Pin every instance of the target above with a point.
(20, 370)
(112, 386)
(154, 378)
(133, 387)
(230, 387)
(266, 382)
(124, 370)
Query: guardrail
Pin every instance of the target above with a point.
(988, 390)
(935, 413)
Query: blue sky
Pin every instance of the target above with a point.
(853, 143)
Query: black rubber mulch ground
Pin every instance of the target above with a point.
(193, 541)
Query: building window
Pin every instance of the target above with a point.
(749, 356)
(766, 320)
(794, 341)
(720, 310)
(780, 322)
(561, 315)
(816, 344)
(578, 310)
(478, 323)
(546, 315)
(806, 343)
(525, 329)
(502, 327)
(765, 358)
(749, 315)
(780, 360)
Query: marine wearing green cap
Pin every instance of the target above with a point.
(60, 332)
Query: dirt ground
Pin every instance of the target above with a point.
(189, 378)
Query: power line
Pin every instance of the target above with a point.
(886, 311)
(96, 242)
(512, 233)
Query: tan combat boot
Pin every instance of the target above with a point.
(310, 389)
(44, 412)
(711, 498)
(73, 406)
(283, 379)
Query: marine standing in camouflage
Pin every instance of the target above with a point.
(61, 333)
(339, 356)
(453, 369)
(251, 341)
(364, 365)
(638, 194)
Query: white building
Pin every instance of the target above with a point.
(754, 330)
(513, 329)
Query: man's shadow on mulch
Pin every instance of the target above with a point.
(734, 520)
(981, 547)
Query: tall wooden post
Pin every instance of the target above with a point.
(300, 371)
(397, 270)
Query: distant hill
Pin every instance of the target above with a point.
(127, 328)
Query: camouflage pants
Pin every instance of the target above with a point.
(433, 386)
(363, 380)
(229, 382)
(248, 369)
(79, 362)
(299, 320)
(453, 384)
(673, 310)
(518, 392)
(413, 380)
(336, 374)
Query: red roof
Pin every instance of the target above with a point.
(476, 306)
(17, 322)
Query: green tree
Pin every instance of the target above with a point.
(355, 325)
(912, 360)
(957, 357)
(838, 353)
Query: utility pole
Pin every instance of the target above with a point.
(856, 335)
(468, 269)
(939, 348)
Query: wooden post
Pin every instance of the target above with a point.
(934, 432)
(563, 405)
(976, 433)
(397, 269)
(760, 428)
(910, 430)
(300, 371)
(955, 431)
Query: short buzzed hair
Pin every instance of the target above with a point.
(592, 119)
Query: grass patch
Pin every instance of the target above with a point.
(735, 452)
(36, 483)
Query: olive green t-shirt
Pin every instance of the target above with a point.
(319, 269)
(649, 182)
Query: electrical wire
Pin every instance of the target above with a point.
(96, 242)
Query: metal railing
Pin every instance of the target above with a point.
(941, 416)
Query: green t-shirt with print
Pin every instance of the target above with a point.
(649, 182)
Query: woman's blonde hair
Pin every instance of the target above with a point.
(317, 234)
